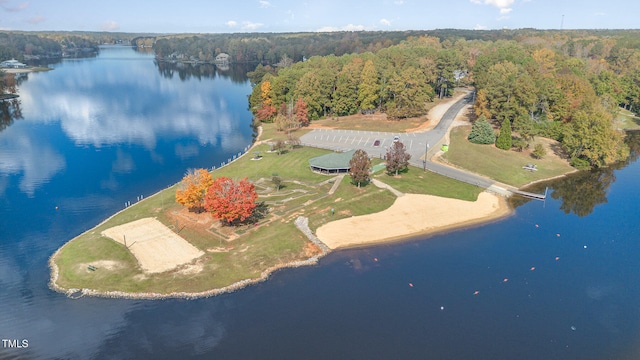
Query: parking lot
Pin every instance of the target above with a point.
(375, 143)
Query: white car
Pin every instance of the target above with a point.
(396, 139)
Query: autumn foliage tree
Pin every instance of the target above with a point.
(302, 113)
(230, 201)
(359, 167)
(267, 111)
(192, 189)
(397, 158)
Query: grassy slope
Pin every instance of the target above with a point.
(626, 120)
(500, 165)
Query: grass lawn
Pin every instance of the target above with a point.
(415, 181)
(237, 253)
(500, 165)
(627, 120)
(376, 122)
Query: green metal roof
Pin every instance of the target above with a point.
(332, 161)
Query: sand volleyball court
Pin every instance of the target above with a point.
(154, 245)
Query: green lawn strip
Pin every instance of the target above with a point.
(74, 259)
(416, 181)
(627, 120)
(291, 165)
(349, 200)
(376, 123)
(500, 165)
(270, 133)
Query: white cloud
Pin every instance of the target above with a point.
(350, 27)
(385, 22)
(399, 2)
(109, 26)
(264, 3)
(480, 27)
(248, 25)
(503, 5)
(327, 29)
(231, 23)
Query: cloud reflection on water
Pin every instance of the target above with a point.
(37, 162)
(116, 101)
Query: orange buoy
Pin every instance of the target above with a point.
(375, 259)
(476, 292)
(533, 268)
(410, 285)
(557, 258)
(505, 280)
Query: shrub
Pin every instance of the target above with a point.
(578, 163)
(539, 151)
(519, 144)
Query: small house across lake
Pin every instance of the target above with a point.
(12, 64)
(334, 163)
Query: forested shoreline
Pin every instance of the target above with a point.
(547, 84)
(566, 85)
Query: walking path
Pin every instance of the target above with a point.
(382, 185)
(336, 183)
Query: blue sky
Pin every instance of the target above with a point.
(208, 16)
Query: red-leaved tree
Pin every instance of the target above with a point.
(229, 200)
(302, 113)
(359, 167)
(266, 112)
(397, 158)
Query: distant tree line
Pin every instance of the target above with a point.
(32, 45)
(270, 48)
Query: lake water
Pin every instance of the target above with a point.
(557, 280)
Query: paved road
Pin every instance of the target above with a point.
(376, 144)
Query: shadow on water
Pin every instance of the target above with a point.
(237, 73)
(581, 192)
(9, 109)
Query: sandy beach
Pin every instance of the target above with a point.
(412, 215)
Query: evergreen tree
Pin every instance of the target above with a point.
(481, 132)
(504, 139)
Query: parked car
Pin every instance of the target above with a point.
(396, 139)
(376, 143)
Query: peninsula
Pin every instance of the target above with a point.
(221, 258)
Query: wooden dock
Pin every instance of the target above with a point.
(529, 195)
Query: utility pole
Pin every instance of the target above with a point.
(424, 162)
